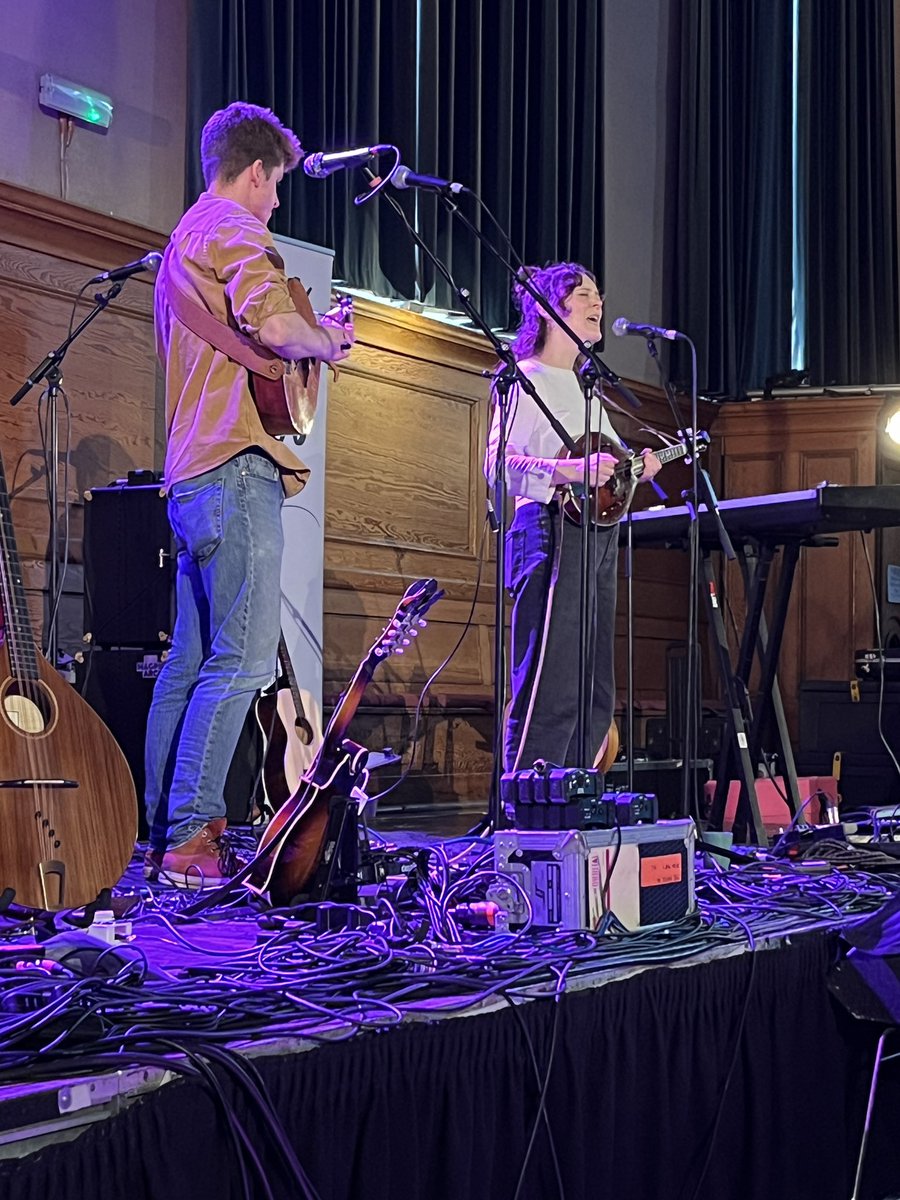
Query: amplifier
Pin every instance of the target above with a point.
(643, 874)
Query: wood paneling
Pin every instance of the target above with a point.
(783, 445)
(405, 497)
(107, 418)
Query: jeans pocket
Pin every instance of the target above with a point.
(195, 512)
(259, 466)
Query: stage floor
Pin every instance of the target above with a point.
(88, 1032)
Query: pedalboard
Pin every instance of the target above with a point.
(558, 798)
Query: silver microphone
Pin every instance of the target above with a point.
(621, 326)
(150, 262)
(403, 177)
(320, 166)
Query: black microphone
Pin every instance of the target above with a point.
(403, 177)
(320, 166)
(150, 262)
(622, 325)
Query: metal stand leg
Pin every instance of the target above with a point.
(879, 1054)
(735, 713)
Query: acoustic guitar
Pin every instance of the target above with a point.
(286, 403)
(288, 718)
(285, 392)
(293, 844)
(611, 500)
(68, 811)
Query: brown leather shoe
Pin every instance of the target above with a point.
(152, 863)
(205, 860)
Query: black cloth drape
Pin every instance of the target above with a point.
(636, 1099)
(729, 257)
(848, 191)
(502, 95)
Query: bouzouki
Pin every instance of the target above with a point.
(68, 811)
(285, 392)
(610, 501)
(294, 841)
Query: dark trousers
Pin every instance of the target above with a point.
(543, 571)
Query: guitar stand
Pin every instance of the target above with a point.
(337, 876)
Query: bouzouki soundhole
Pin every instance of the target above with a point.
(28, 707)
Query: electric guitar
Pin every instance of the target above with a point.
(610, 501)
(294, 841)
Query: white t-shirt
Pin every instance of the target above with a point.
(531, 444)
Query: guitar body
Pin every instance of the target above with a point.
(609, 749)
(287, 405)
(302, 834)
(611, 500)
(296, 835)
(290, 742)
(59, 846)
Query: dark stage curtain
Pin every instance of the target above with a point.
(849, 194)
(745, 1062)
(729, 259)
(509, 96)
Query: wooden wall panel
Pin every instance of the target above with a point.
(789, 444)
(48, 249)
(405, 496)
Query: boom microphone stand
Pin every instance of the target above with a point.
(592, 371)
(509, 375)
(49, 369)
(700, 480)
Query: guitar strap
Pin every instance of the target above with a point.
(231, 342)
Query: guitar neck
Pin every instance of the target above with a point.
(665, 455)
(18, 632)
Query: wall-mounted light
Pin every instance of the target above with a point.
(76, 100)
(892, 426)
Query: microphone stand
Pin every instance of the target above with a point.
(593, 370)
(505, 379)
(49, 369)
(699, 476)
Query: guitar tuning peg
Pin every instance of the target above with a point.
(398, 649)
(413, 632)
(422, 622)
(406, 641)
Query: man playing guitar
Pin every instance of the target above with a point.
(226, 478)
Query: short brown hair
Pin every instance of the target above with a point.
(235, 137)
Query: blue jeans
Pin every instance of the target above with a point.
(227, 526)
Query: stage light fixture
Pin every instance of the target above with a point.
(892, 426)
(76, 100)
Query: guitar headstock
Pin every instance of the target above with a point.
(408, 618)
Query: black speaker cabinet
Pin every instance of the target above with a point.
(118, 685)
(128, 566)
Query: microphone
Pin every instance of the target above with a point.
(150, 262)
(320, 166)
(403, 177)
(622, 325)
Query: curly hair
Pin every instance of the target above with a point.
(556, 282)
(236, 136)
